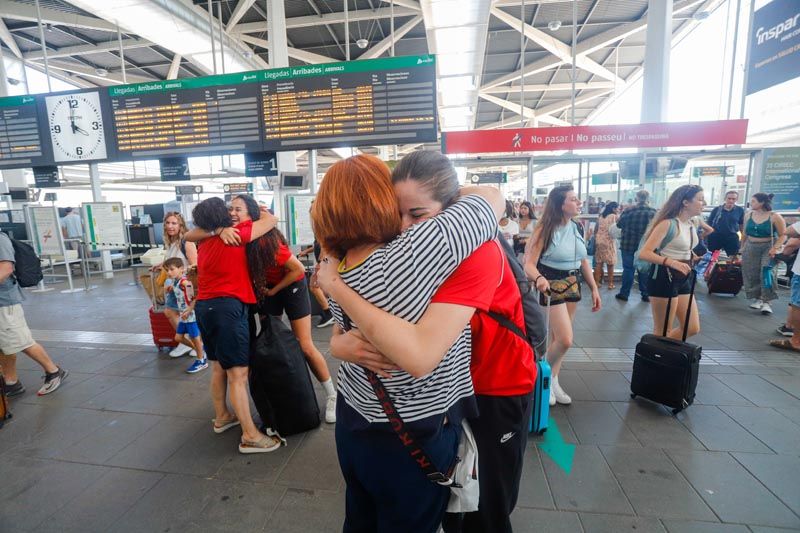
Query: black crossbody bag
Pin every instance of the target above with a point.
(410, 442)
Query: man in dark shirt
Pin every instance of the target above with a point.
(633, 222)
(728, 221)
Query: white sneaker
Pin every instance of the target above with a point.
(561, 396)
(757, 304)
(766, 309)
(552, 395)
(330, 410)
(180, 350)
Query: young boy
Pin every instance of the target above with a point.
(187, 326)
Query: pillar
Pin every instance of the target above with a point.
(97, 196)
(15, 179)
(279, 57)
(655, 90)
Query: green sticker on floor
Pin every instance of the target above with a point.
(562, 453)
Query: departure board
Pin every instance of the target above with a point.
(384, 101)
(20, 141)
(183, 117)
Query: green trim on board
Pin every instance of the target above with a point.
(275, 74)
(90, 224)
(11, 101)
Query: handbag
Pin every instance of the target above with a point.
(5, 414)
(461, 477)
(563, 289)
(591, 246)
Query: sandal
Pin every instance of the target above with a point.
(221, 426)
(784, 344)
(264, 445)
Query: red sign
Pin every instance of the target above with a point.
(658, 135)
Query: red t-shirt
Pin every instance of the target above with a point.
(502, 364)
(222, 269)
(275, 274)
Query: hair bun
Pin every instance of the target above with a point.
(770, 196)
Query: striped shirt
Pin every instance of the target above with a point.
(401, 278)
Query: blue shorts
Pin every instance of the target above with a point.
(188, 328)
(795, 296)
(226, 335)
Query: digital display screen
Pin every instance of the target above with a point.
(395, 104)
(20, 141)
(151, 123)
(357, 103)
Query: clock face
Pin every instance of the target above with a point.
(76, 127)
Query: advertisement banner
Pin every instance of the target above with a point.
(782, 177)
(46, 230)
(656, 135)
(774, 45)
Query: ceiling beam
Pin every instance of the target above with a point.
(539, 87)
(410, 4)
(88, 49)
(296, 53)
(554, 46)
(89, 72)
(588, 46)
(526, 112)
(7, 38)
(174, 67)
(380, 48)
(27, 12)
(328, 18)
(241, 8)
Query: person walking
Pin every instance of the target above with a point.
(527, 221)
(72, 228)
(670, 241)
(555, 262)
(605, 244)
(633, 222)
(727, 220)
(763, 237)
(15, 336)
(508, 224)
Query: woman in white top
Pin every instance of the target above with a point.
(508, 226)
(176, 246)
(670, 239)
(527, 221)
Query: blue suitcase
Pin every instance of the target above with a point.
(541, 389)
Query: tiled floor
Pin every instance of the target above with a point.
(126, 445)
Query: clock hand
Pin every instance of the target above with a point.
(81, 130)
(72, 120)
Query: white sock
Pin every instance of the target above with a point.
(330, 390)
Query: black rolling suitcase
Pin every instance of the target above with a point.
(280, 384)
(725, 278)
(665, 370)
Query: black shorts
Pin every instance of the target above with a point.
(552, 274)
(662, 286)
(226, 336)
(292, 299)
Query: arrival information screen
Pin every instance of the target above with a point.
(157, 120)
(20, 143)
(394, 102)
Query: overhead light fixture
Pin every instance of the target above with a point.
(12, 81)
(101, 72)
(554, 25)
(362, 43)
(701, 15)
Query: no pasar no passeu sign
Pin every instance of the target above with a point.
(656, 135)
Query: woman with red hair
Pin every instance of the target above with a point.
(356, 218)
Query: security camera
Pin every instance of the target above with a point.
(362, 43)
(554, 25)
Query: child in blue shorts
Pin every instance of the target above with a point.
(187, 326)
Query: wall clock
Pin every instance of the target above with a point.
(76, 127)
